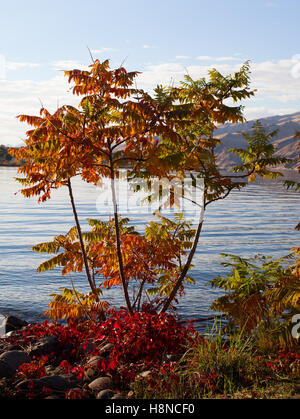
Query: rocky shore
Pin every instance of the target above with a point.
(56, 383)
(62, 365)
(136, 356)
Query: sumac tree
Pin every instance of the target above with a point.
(165, 135)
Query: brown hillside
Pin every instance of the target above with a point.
(284, 141)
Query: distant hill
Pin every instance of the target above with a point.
(6, 159)
(284, 141)
(230, 134)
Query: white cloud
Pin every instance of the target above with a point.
(68, 65)
(228, 59)
(174, 72)
(101, 50)
(147, 46)
(204, 58)
(257, 112)
(14, 65)
(182, 57)
(160, 74)
(27, 97)
(219, 59)
(274, 80)
(278, 90)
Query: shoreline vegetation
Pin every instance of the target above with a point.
(146, 356)
(6, 160)
(143, 350)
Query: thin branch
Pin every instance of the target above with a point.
(60, 130)
(193, 202)
(134, 159)
(217, 199)
(91, 55)
(122, 63)
(78, 299)
(138, 298)
(83, 250)
(117, 233)
(187, 265)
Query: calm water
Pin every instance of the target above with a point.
(260, 219)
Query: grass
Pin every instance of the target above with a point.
(216, 368)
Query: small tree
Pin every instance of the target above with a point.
(262, 295)
(170, 134)
(150, 259)
(113, 125)
(196, 151)
(290, 184)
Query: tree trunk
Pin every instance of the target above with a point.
(186, 266)
(118, 241)
(83, 251)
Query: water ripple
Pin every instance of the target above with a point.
(260, 219)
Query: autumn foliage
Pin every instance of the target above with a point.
(179, 361)
(167, 135)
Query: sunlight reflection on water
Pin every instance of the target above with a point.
(260, 219)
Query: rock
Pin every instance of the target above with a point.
(13, 348)
(118, 396)
(92, 368)
(58, 371)
(142, 375)
(91, 371)
(2, 348)
(15, 358)
(105, 394)
(106, 349)
(94, 361)
(90, 374)
(44, 346)
(23, 384)
(70, 378)
(5, 370)
(13, 323)
(50, 370)
(6, 347)
(101, 383)
(54, 382)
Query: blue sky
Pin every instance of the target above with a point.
(163, 39)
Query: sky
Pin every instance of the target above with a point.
(163, 39)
